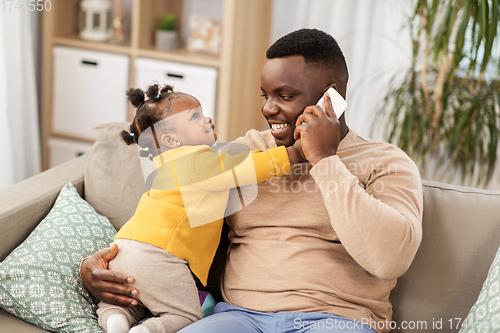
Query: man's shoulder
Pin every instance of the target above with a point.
(370, 160)
(254, 139)
(359, 144)
(359, 150)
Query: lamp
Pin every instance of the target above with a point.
(95, 20)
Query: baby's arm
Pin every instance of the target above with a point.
(274, 162)
(217, 172)
(295, 153)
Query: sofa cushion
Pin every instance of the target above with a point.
(10, 323)
(461, 234)
(114, 182)
(485, 314)
(40, 279)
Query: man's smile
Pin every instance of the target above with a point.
(277, 128)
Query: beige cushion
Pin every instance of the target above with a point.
(461, 236)
(113, 177)
(25, 204)
(10, 324)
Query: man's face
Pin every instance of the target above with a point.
(289, 85)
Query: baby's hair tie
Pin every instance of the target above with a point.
(158, 95)
(169, 91)
(146, 149)
(132, 134)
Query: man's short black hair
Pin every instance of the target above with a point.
(316, 46)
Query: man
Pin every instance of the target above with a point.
(321, 247)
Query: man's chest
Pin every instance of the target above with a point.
(292, 202)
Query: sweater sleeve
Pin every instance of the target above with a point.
(256, 140)
(218, 172)
(379, 223)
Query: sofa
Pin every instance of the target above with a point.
(461, 232)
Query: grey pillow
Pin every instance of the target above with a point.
(460, 238)
(113, 177)
(40, 280)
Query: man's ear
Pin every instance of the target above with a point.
(342, 92)
(169, 140)
(332, 85)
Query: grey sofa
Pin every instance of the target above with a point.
(461, 231)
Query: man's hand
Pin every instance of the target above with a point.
(319, 131)
(106, 285)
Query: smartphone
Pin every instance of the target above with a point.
(338, 102)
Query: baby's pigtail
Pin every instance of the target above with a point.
(166, 89)
(136, 97)
(153, 91)
(127, 137)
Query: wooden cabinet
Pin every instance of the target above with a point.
(245, 29)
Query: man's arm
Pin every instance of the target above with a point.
(381, 225)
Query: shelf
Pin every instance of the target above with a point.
(150, 13)
(244, 24)
(182, 56)
(96, 46)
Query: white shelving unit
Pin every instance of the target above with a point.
(245, 27)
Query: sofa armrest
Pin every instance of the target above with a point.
(25, 204)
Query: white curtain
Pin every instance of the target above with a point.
(19, 121)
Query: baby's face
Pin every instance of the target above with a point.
(191, 126)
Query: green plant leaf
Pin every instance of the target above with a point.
(491, 33)
(466, 136)
(168, 22)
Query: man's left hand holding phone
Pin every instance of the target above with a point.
(320, 128)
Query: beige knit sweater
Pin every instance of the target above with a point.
(330, 238)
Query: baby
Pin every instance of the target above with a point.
(177, 224)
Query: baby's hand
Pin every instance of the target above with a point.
(298, 146)
(295, 153)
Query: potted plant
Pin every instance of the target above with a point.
(446, 112)
(166, 34)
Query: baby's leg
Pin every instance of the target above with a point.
(139, 329)
(177, 305)
(117, 319)
(113, 318)
(117, 323)
(166, 287)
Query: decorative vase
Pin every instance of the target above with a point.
(166, 40)
(95, 22)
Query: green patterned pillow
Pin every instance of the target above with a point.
(484, 316)
(40, 279)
